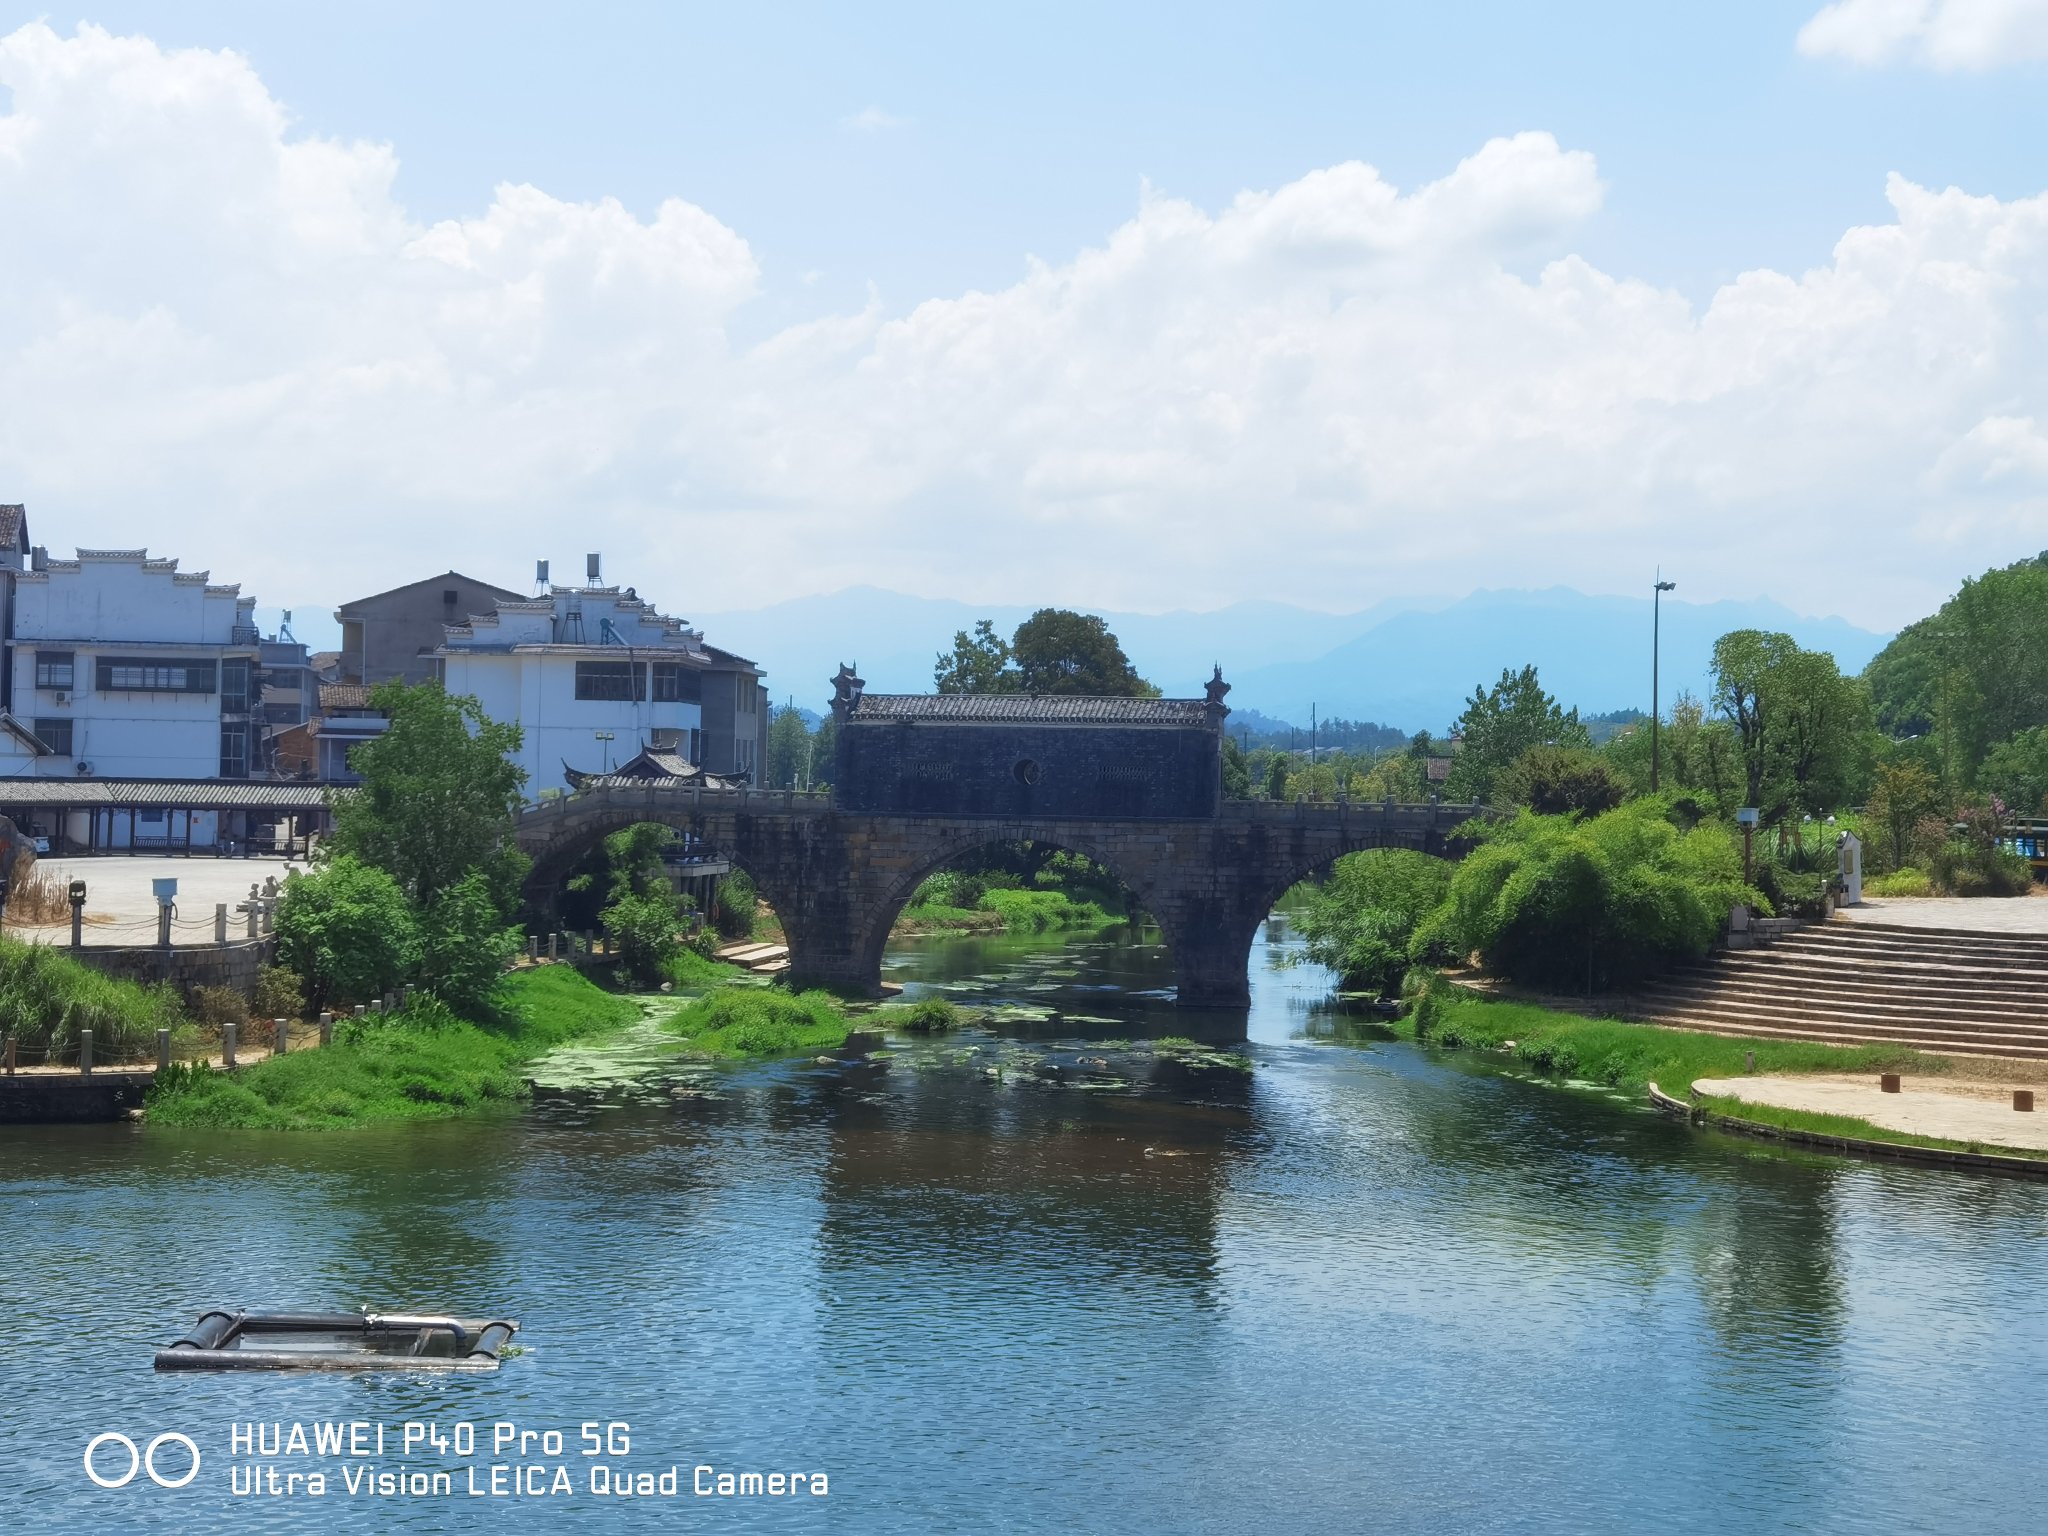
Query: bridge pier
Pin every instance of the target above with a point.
(838, 878)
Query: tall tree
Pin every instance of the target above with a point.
(1974, 673)
(1801, 727)
(789, 749)
(1500, 724)
(438, 799)
(1059, 651)
(978, 663)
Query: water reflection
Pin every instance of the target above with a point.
(1050, 1274)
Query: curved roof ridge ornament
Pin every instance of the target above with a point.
(847, 687)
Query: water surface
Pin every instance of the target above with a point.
(1048, 1277)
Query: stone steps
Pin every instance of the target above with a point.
(1935, 990)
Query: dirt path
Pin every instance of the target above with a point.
(1955, 1109)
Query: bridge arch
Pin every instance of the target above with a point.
(837, 879)
(1073, 837)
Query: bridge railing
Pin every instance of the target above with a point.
(671, 797)
(1428, 812)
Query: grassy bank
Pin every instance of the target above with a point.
(46, 998)
(1004, 911)
(689, 970)
(741, 1022)
(422, 1064)
(1625, 1055)
(937, 917)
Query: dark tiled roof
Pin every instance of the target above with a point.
(651, 767)
(1033, 708)
(344, 696)
(12, 516)
(198, 794)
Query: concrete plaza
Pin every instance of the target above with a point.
(121, 909)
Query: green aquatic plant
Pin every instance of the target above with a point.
(423, 1063)
(742, 1021)
(926, 1016)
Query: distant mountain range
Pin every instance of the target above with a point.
(1410, 665)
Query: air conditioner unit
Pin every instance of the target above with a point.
(85, 770)
(63, 697)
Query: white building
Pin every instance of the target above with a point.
(592, 675)
(125, 667)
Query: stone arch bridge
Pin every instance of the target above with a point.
(838, 878)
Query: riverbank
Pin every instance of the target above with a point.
(1003, 911)
(1625, 1055)
(421, 1064)
(741, 1022)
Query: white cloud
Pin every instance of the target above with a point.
(872, 120)
(231, 343)
(1947, 34)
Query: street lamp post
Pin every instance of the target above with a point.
(606, 737)
(1656, 627)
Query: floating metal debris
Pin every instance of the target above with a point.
(337, 1341)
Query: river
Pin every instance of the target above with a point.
(1042, 1278)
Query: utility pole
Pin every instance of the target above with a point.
(1657, 592)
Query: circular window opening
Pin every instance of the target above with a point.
(1026, 771)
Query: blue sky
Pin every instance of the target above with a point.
(1029, 130)
(1136, 306)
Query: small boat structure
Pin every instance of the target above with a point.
(337, 1341)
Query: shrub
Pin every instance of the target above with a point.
(46, 998)
(278, 995)
(1900, 882)
(1039, 911)
(762, 1021)
(1360, 921)
(219, 1005)
(1560, 781)
(926, 1016)
(642, 930)
(346, 931)
(732, 907)
(466, 946)
(1559, 902)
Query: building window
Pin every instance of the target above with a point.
(234, 686)
(675, 683)
(156, 674)
(53, 669)
(234, 749)
(610, 680)
(54, 734)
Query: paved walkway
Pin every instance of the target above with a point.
(1955, 1109)
(1981, 914)
(118, 888)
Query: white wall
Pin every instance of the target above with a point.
(537, 691)
(123, 604)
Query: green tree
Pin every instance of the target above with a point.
(1237, 775)
(466, 946)
(439, 797)
(1802, 729)
(1500, 724)
(1975, 673)
(789, 750)
(1361, 921)
(644, 914)
(347, 931)
(1276, 778)
(1561, 902)
(2016, 771)
(1902, 795)
(1059, 651)
(978, 663)
(1555, 781)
